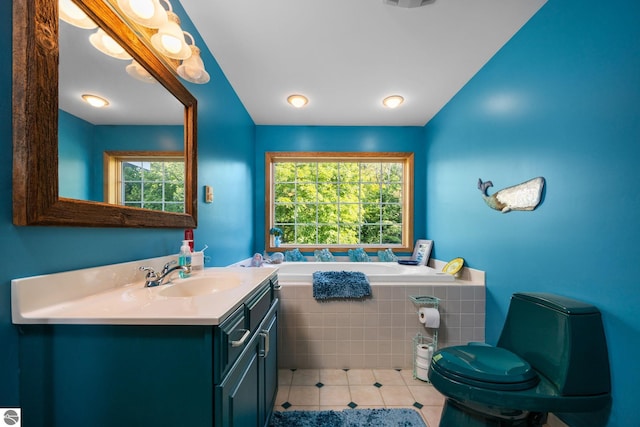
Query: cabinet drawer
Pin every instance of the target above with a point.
(231, 338)
(258, 305)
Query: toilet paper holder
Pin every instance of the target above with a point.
(425, 301)
(422, 342)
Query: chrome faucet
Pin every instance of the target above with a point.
(154, 279)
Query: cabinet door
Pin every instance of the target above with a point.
(230, 340)
(268, 364)
(246, 395)
(237, 396)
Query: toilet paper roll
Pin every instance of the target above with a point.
(429, 317)
(422, 373)
(422, 351)
(422, 363)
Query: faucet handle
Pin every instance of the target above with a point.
(167, 266)
(151, 274)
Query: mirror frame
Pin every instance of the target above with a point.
(36, 199)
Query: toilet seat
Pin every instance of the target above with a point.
(487, 367)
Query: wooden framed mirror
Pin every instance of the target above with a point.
(36, 199)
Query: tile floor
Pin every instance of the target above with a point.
(337, 389)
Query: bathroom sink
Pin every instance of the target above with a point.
(202, 285)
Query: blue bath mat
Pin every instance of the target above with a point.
(348, 418)
(340, 284)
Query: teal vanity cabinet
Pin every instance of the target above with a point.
(154, 375)
(246, 381)
(246, 395)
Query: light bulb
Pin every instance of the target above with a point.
(171, 44)
(169, 40)
(138, 72)
(107, 45)
(148, 13)
(70, 13)
(192, 68)
(142, 8)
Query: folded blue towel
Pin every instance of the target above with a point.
(340, 284)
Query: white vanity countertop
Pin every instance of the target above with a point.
(85, 297)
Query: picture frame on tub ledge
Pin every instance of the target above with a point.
(422, 251)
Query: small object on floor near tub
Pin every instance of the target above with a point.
(454, 266)
(340, 284)
(382, 417)
(294, 255)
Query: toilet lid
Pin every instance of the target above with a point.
(485, 366)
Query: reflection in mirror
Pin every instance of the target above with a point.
(41, 195)
(140, 116)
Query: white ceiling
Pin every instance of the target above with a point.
(346, 55)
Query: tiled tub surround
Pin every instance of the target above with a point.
(375, 332)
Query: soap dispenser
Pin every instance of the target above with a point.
(184, 259)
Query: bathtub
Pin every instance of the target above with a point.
(376, 272)
(375, 332)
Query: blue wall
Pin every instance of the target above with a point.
(340, 139)
(74, 164)
(560, 100)
(129, 138)
(226, 138)
(82, 145)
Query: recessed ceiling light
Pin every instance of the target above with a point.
(297, 101)
(95, 101)
(392, 101)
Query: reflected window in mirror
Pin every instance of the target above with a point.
(148, 180)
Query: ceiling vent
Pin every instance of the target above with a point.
(408, 3)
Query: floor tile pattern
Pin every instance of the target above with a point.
(338, 389)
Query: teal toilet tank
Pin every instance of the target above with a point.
(563, 339)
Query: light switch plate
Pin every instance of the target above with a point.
(208, 194)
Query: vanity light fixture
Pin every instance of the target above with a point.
(297, 101)
(392, 101)
(95, 100)
(72, 14)
(148, 13)
(107, 45)
(169, 40)
(165, 34)
(192, 68)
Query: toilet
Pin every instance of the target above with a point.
(551, 357)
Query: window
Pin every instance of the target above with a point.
(145, 180)
(340, 200)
